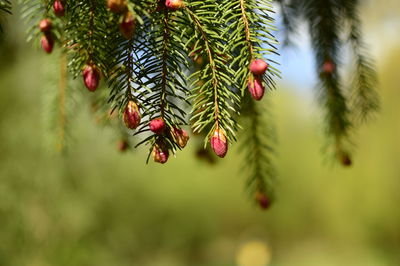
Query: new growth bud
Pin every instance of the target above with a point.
(47, 43)
(128, 26)
(59, 9)
(181, 137)
(116, 6)
(174, 4)
(256, 88)
(328, 67)
(219, 143)
(258, 67)
(123, 145)
(45, 25)
(91, 77)
(157, 125)
(131, 115)
(345, 159)
(160, 153)
(263, 200)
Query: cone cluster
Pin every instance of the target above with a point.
(47, 40)
(256, 88)
(127, 21)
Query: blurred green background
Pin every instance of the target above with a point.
(96, 206)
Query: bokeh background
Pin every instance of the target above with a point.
(96, 206)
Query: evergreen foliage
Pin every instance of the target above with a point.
(334, 24)
(189, 63)
(5, 8)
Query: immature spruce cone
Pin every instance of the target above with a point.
(59, 9)
(123, 145)
(157, 125)
(174, 4)
(45, 25)
(256, 88)
(263, 200)
(116, 6)
(181, 137)
(91, 77)
(219, 143)
(128, 26)
(258, 67)
(346, 160)
(160, 154)
(328, 67)
(132, 115)
(47, 43)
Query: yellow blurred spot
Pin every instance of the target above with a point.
(253, 253)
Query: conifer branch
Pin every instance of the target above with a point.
(324, 26)
(250, 40)
(147, 72)
(90, 35)
(164, 64)
(257, 149)
(214, 98)
(32, 12)
(214, 80)
(364, 100)
(289, 11)
(160, 64)
(246, 29)
(5, 7)
(63, 85)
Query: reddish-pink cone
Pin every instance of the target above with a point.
(131, 115)
(47, 43)
(157, 125)
(45, 25)
(328, 67)
(116, 6)
(263, 200)
(123, 145)
(128, 26)
(181, 137)
(256, 88)
(174, 4)
(59, 9)
(219, 143)
(91, 77)
(345, 159)
(160, 154)
(258, 67)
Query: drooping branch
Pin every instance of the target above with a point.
(214, 97)
(257, 147)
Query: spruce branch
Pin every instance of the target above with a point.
(290, 12)
(250, 27)
(90, 34)
(328, 21)
(214, 98)
(59, 104)
(160, 87)
(364, 100)
(63, 85)
(32, 11)
(257, 143)
(5, 7)
(324, 26)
